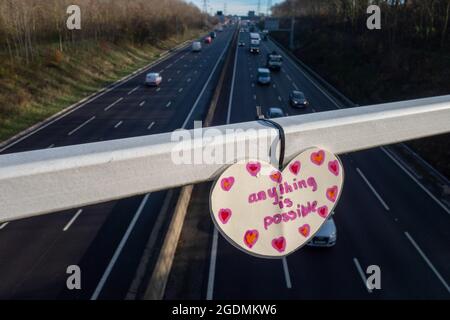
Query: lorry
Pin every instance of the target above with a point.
(274, 61)
(254, 46)
(255, 40)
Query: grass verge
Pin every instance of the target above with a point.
(57, 79)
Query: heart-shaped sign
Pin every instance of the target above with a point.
(269, 213)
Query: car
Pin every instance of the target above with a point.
(212, 34)
(326, 236)
(275, 113)
(153, 79)
(263, 76)
(208, 39)
(297, 99)
(241, 44)
(196, 46)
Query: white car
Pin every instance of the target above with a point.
(153, 79)
(196, 46)
(326, 236)
(263, 76)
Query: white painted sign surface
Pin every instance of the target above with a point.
(271, 214)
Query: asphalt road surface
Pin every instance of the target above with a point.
(384, 217)
(105, 240)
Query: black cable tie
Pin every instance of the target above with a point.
(282, 138)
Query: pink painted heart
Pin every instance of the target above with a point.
(323, 211)
(332, 193)
(276, 176)
(318, 157)
(295, 167)
(251, 237)
(279, 244)
(224, 215)
(253, 168)
(268, 212)
(227, 183)
(304, 230)
(333, 166)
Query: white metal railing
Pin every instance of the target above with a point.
(44, 181)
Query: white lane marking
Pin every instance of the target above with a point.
(195, 71)
(189, 80)
(279, 98)
(170, 65)
(212, 261)
(251, 76)
(170, 79)
(168, 104)
(181, 89)
(230, 101)
(361, 273)
(373, 189)
(438, 275)
(274, 86)
(201, 66)
(141, 104)
(294, 85)
(118, 124)
(113, 104)
(415, 180)
(212, 266)
(83, 102)
(3, 225)
(287, 276)
(158, 89)
(119, 249)
(151, 125)
(253, 85)
(254, 96)
(72, 220)
(178, 71)
(134, 90)
(185, 66)
(51, 146)
(81, 126)
(289, 77)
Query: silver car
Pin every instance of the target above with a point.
(263, 76)
(153, 79)
(326, 236)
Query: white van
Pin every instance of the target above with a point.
(196, 46)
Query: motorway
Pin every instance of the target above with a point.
(105, 240)
(384, 217)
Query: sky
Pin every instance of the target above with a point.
(239, 7)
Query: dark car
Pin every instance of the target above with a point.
(275, 113)
(297, 99)
(241, 44)
(212, 34)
